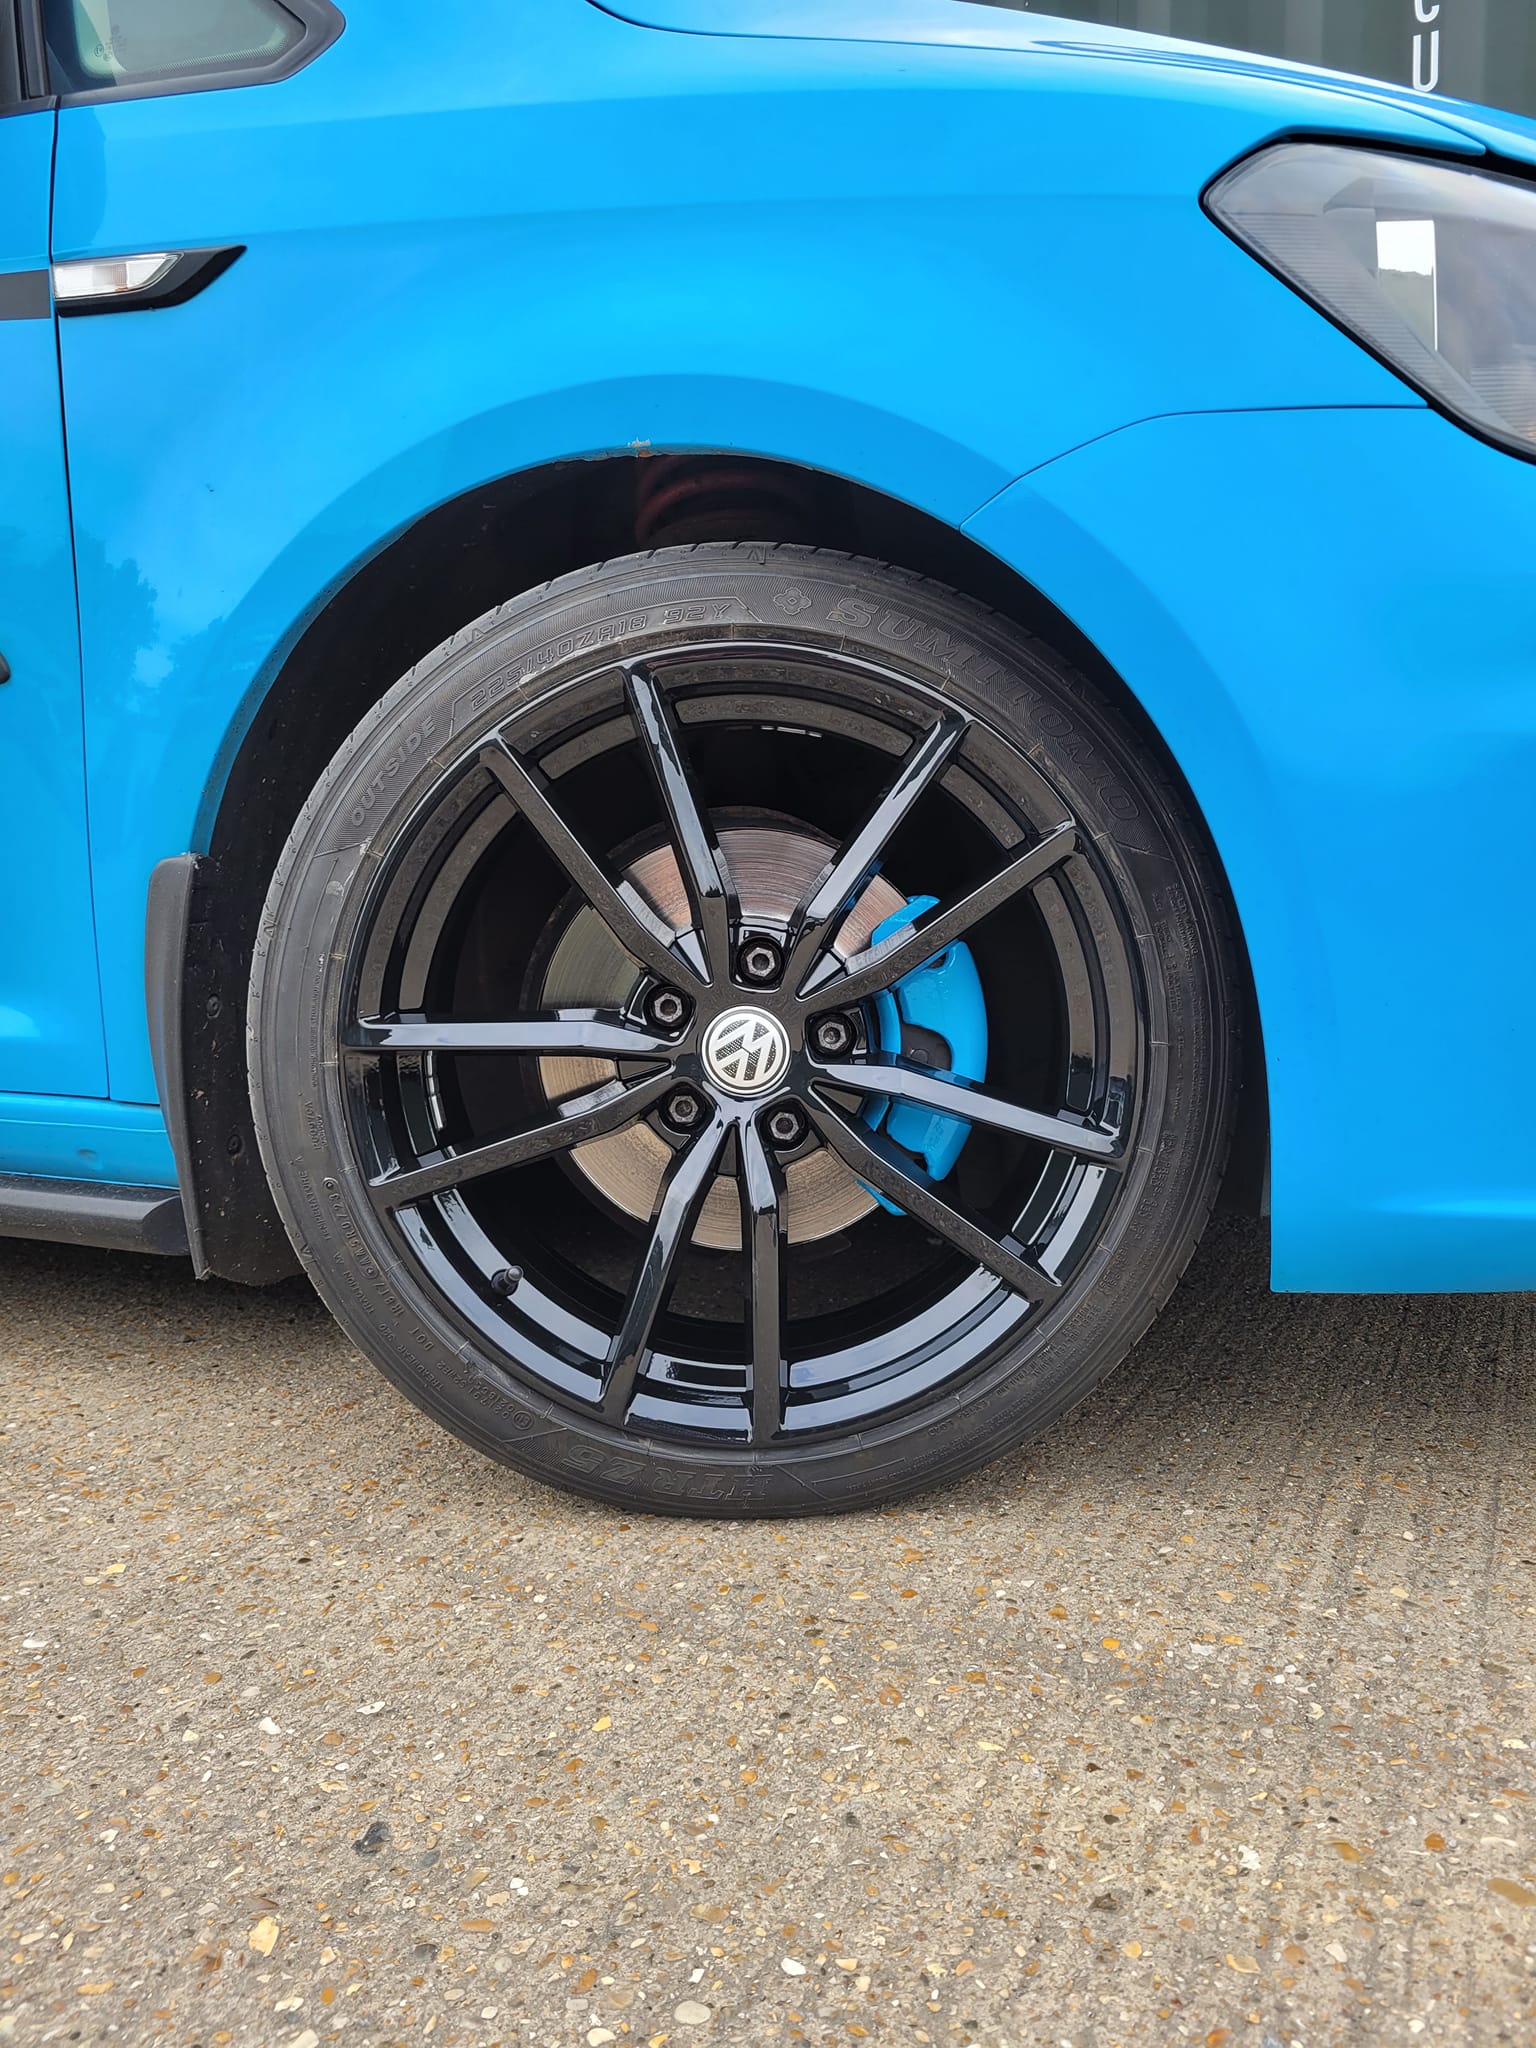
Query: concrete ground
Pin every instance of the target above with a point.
(1207, 1719)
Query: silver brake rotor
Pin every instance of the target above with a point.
(772, 867)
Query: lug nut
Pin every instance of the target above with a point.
(682, 1110)
(666, 1007)
(786, 1126)
(759, 961)
(832, 1036)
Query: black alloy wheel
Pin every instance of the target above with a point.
(581, 1057)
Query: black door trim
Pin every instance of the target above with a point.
(24, 295)
(26, 27)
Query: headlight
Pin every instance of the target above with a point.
(1432, 267)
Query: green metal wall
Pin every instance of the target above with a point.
(1473, 49)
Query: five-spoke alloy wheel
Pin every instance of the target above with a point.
(743, 1030)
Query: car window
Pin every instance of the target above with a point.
(97, 46)
(1486, 52)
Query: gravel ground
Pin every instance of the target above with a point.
(1206, 1719)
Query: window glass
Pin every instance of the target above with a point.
(10, 67)
(97, 44)
(1472, 49)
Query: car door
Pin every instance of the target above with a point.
(50, 1006)
(159, 297)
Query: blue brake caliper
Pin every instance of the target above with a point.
(940, 1000)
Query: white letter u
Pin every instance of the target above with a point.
(1420, 82)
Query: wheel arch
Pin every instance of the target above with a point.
(436, 574)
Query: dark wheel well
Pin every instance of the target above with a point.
(452, 565)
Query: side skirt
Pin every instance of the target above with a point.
(91, 1212)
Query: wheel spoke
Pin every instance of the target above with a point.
(562, 1031)
(682, 1194)
(705, 875)
(763, 1235)
(591, 1115)
(878, 966)
(894, 1174)
(906, 1083)
(844, 881)
(622, 908)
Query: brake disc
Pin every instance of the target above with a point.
(772, 868)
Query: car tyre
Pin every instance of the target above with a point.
(809, 1318)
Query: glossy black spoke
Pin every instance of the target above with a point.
(878, 966)
(622, 908)
(785, 781)
(843, 883)
(593, 1114)
(683, 1189)
(705, 875)
(897, 1176)
(903, 1082)
(561, 1031)
(763, 1234)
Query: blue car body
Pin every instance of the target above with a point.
(954, 255)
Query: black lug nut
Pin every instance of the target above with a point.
(760, 961)
(786, 1126)
(666, 1007)
(682, 1109)
(832, 1036)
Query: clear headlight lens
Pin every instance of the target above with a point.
(1430, 266)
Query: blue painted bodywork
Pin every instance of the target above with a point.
(50, 1009)
(85, 1139)
(955, 255)
(1332, 618)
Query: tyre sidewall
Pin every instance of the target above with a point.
(532, 647)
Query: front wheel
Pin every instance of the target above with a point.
(743, 1030)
